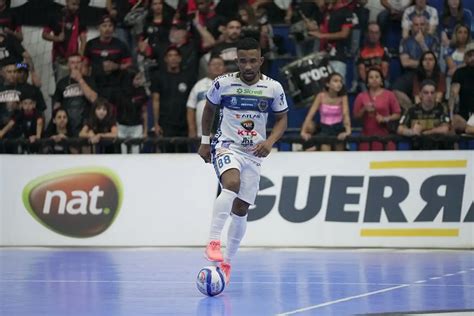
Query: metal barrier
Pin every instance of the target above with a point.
(188, 145)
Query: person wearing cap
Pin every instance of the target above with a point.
(108, 56)
(68, 35)
(170, 88)
(461, 100)
(425, 118)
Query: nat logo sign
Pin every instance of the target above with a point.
(76, 203)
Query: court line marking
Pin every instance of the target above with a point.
(343, 300)
(409, 232)
(416, 283)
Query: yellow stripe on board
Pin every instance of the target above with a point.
(400, 164)
(410, 232)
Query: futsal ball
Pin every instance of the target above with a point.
(210, 281)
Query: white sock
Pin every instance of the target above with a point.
(222, 208)
(237, 228)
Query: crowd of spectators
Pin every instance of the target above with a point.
(150, 54)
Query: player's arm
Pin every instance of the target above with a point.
(281, 122)
(207, 119)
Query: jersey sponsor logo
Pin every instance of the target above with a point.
(249, 91)
(249, 116)
(248, 124)
(245, 132)
(262, 105)
(233, 101)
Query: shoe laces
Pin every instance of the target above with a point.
(215, 245)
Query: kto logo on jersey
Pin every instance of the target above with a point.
(248, 116)
(249, 91)
(76, 203)
(244, 132)
(248, 124)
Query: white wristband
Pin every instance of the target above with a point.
(205, 140)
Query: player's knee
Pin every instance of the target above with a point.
(240, 207)
(232, 184)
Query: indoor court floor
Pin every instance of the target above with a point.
(265, 281)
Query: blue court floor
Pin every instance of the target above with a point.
(161, 281)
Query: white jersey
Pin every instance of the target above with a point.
(244, 110)
(197, 100)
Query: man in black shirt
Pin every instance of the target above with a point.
(426, 118)
(462, 91)
(227, 49)
(9, 107)
(170, 89)
(108, 56)
(75, 93)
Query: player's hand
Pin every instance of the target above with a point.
(205, 152)
(262, 149)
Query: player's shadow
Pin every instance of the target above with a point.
(219, 305)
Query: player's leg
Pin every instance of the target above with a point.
(228, 170)
(249, 184)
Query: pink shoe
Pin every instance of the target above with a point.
(225, 267)
(213, 251)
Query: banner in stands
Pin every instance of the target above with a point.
(377, 199)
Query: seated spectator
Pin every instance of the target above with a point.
(9, 102)
(23, 85)
(131, 108)
(75, 93)
(9, 22)
(379, 110)
(197, 97)
(68, 35)
(58, 130)
(101, 124)
(461, 101)
(30, 122)
(372, 55)
(454, 56)
(333, 107)
(428, 68)
(453, 14)
(420, 8)
(334, 33)
(426, 118)
(108, 56)
(11, 51)
(392, 14)
(412, 47)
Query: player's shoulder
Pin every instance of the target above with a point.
(270, 82)
(228, 77)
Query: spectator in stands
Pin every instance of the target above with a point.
(30, 121)
(8, 21)
(101, 124)
(68, 34)
(75, 93)
(426, 118)
(108, 56)
(23, 85)
(303, 16)
(378, 108)
(455, 53)
(461, 101)
(58, 130)
(11, 51)
(334, 33)
(9, 102)
(188, 46)
(428, 68)
(392, 15)
(155, 37)
(420, 8)
(372, 54)
(269, 11)
(227, 49)
(131, 108)
(170, 89)
(452, 15)
(333, 107)
(197, 96)
(412, 47)
(252, 28)
(206, 16)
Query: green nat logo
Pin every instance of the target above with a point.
(77, 202)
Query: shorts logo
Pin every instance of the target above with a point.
(262, 105)
(77, 203)
(248, 125)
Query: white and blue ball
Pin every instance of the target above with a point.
(210, 281)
